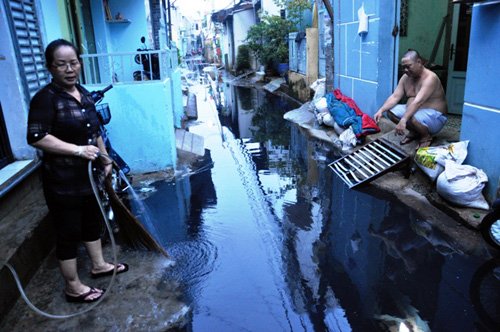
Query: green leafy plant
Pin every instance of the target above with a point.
(243, 58)
(268, 40)
(295, 10)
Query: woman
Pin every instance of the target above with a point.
(63, 123)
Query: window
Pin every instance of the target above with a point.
(5, 152)
(28, 44)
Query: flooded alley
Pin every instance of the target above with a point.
(265, 237)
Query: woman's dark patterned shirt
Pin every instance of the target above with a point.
(55, 112)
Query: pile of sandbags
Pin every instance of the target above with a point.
(458, 184)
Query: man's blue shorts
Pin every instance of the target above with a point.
(432, 119)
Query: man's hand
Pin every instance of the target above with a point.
(378, 115)
(401, 127)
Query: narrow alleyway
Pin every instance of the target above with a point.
(266, 238)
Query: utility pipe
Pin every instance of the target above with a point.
(329, 8)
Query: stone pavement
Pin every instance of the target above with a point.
(139, 300)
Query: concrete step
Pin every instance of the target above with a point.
(189, 142)
(191, 108)
(26, 236)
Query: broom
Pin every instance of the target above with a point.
(131, 229)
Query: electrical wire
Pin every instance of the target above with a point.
(115, 262)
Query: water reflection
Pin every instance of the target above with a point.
(268, 239)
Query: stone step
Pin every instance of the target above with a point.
(189, 142)
(26, 236)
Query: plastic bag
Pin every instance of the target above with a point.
(462, 185)
(431, 160)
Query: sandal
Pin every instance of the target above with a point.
(84, 298)
(121, 268)
(407, 139)
(424, 143)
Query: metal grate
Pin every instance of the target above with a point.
(368, 162)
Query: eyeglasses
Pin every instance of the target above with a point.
(64, 66)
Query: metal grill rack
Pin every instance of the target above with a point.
(368, 162)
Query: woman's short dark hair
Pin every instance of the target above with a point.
(53, 46)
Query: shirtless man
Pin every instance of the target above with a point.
(424, 112)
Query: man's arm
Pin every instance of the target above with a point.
(428, 87)
(392, 100)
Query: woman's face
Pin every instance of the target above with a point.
(65, 68)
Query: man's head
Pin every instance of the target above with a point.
(412, 63)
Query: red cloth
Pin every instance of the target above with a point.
(368, 125)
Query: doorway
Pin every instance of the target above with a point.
(440, 31)
(458, 56)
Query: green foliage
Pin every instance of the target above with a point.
(243, 58)
(268, 40)
(295, 10)
(179, 57)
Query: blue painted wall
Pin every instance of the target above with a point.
(142, 125)
(481, 113)
(178, 108)
(364, 65)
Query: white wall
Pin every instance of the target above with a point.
(242, 21)
(270, 7)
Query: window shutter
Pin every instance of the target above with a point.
(28, 43)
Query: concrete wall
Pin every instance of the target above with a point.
(423, 28)
(364, 65)
(143, 114)
(299, 86)
(126, 36)
(142, 126)
(178, 107)
(481, 112)
(270, 7)
(242, 21)
(312, 55)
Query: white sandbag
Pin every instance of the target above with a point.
(431, 159)
(319, 89)
(462, 185)
(321, 105)
(348, 139)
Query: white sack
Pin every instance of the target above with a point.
(431, 160)
(348, 139)
(462, 185)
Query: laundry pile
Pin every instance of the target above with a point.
(347, 114)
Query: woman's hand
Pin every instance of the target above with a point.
(90, 152)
